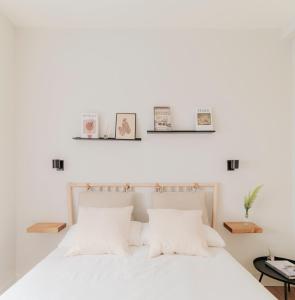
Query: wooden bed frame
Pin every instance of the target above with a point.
(128, 187)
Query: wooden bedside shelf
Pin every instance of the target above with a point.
(242, 227)
(46, 227)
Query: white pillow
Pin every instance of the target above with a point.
(135, 232)
(213, 238)
(102, 231)
(145, 234)
(69, 238)
(176, 232)
(134, 239)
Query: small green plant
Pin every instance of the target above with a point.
(250, 198)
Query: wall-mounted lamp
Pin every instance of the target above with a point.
(58, 164)
(232, 165)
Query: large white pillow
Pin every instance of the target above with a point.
(102, 231)
(134, 238)
(176, 232)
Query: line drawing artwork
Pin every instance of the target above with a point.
(124, 128)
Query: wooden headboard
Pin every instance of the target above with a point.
(159, 187)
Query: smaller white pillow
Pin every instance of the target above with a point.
(145, 234)
(176, 232)
(135, 232)
(69, 238)
(213, 237)
(102, 231)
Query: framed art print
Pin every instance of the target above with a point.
(204, 120)
(162, 118)
(89, 125)
(126, 126)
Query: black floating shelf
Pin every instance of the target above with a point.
(179, 131)
(103, 139)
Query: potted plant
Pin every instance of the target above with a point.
(249, 200)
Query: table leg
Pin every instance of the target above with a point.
(289, 288)
(260, 277)
(286, 292)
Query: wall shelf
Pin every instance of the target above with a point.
(103, 139)
(46, 228)
(179, 131)
(242, 227)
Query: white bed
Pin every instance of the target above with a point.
(137, 277)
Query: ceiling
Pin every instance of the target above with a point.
(231, 14)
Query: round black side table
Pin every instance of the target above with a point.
(259, 264)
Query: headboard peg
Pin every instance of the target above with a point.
(159, 188)
(89, 188)
(196, 186)
(127, 187)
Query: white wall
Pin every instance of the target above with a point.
(246, 76)
(7, 126)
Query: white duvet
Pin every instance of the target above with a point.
(137, 277)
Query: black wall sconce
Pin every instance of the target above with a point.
(58, 164)
(232, 165)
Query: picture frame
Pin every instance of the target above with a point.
(162, 118)
(125, 126)
(89, 125)
(204, 119)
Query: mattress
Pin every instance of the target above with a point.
(136, 277)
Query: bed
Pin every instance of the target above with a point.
(134, 277)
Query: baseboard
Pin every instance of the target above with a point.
(6, 285)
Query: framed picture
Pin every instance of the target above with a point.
(89, 125)
(204, 120)
(162, 118)
(126, 126)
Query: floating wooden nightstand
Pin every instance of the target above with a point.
(46, 228)
(242, 227)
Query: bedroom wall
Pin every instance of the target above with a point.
(246, 76)
(7, 126)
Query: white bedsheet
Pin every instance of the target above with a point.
(137, 277)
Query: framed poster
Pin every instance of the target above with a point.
(162, 118)
(126, 126)
(204, 120)
(89, 125)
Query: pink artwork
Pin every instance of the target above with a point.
(89, 125)
(126, 126)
